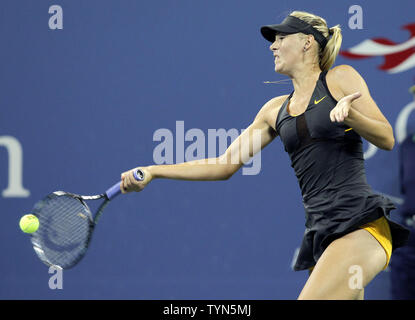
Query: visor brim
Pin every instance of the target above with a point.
(269, 32)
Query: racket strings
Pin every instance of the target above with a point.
(64, 230)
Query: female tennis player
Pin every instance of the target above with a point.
(321, 123)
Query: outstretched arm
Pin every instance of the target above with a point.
(258, 135)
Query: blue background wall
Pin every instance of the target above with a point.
(85, 101)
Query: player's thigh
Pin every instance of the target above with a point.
(346, 266)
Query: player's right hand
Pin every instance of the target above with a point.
(129, 183)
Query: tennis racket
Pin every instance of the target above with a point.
(66, 225)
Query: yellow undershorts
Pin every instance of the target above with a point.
(380, 230)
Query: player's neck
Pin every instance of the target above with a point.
(305, 79)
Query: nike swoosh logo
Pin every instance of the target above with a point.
(318, 101)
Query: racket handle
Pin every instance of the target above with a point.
(115, 190)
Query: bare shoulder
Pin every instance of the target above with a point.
(343, 80)
(343, 73)
(270, 109)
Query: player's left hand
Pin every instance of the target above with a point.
(341, 111)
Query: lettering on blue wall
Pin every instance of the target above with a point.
(356, 20)
(55, 281)
(246, 150)
(56, 20)
(15, 187)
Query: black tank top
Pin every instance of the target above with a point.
(325, 155)
(327, 158)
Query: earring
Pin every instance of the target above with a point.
(305, 49)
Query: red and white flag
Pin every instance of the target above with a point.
(399, 57)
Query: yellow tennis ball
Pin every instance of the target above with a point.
(29, 223)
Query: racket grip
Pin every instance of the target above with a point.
(115, 190)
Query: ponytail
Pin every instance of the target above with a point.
(328, 55)
(330, 52)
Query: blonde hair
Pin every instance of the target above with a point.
(328, 55)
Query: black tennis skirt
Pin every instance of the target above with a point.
(330, 219)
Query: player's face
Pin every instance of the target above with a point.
(287, 50)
